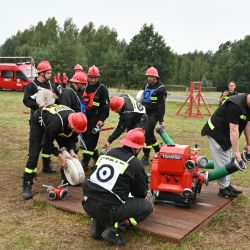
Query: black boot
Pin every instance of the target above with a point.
(27, 187)
(123, 226)
(111, 234)
(97, 228)
(47, 168)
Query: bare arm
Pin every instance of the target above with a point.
(234, 138)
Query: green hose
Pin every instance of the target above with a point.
(210, 165)
(220, 172)
(164, 135)
(217, 173)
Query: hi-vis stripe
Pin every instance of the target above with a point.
(45, 155)
(243, 117)
(30, 171)
(210, 124)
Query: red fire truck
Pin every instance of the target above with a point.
(16, 72)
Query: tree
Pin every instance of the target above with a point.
(147, 49)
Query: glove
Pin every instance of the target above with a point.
(245, 156)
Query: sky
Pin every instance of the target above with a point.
(185, 25)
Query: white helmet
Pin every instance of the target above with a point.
(139, 96)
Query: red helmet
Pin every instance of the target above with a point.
(78, 122)
(116, 103)
(78, 67)
(93, 71)
(79, 77)
(43, 66)
(152, 71)
(134, 138)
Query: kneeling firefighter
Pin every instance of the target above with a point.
(53, 122)
(116, 174)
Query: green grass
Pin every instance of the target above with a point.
(36, 225)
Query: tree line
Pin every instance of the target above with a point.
(124, 64)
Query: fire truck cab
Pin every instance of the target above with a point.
(15, 75)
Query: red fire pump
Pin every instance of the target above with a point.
(175, 177)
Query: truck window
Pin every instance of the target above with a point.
(7, 74)
(20, 75)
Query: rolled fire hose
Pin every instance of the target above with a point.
(44, 96)
(74, 171)
(164, 135)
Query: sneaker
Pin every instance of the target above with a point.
(233, 189)
(145, 160)
(227, 193)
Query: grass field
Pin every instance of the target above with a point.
(35, 225)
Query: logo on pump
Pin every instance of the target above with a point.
(172, 157)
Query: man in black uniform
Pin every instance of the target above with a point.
(117, 174)
(42, 81)
(229, 92)
(132, 115)
(223, 130)
(154, 97)
(96, 99)
(53, 122)
(73, 95)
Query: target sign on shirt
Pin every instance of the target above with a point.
(107, 171)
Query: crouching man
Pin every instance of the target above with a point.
(117, 174)
(53, 122)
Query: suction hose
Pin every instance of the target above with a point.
(164, 135)
(224, 171)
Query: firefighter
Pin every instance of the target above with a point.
(132, 114)
(96, 99)
(52, 122)
(223, 130)
(118, 173)
(57, 79)
(44, 71)
(72, 96)
(153, 99)
(229, 92)
(64, 80)
(78, 68)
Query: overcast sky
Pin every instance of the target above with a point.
(185, 25)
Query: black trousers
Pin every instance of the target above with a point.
(35, 139)
(89, 138)
(149, 133)
(136, 208)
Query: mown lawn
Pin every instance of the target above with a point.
(35, 225)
